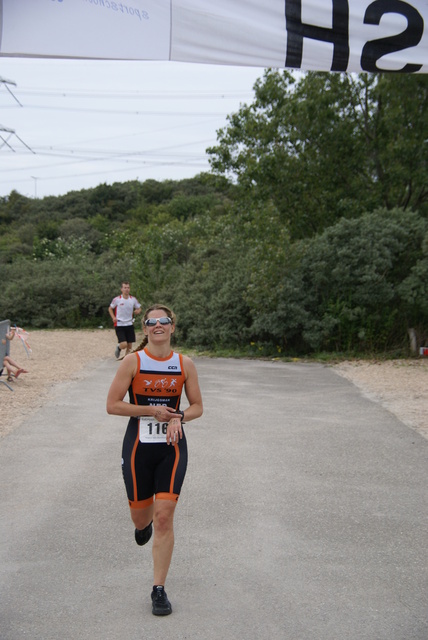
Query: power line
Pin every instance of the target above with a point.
(136, 95)
(154, 157)
(129, 112)
(179, 110)
(140, 165)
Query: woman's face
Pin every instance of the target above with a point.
(158, 327)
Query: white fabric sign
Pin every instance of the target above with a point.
(324, 35)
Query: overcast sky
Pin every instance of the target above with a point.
(83, 123)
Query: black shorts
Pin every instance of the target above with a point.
(152, 469)
(125, 334)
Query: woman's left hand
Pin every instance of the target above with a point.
(174, 432)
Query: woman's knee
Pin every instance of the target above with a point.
(142, 517)
(163, 516)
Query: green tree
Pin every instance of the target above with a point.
(413, 292)
(351, 277)
(328, 146)
(208, 292)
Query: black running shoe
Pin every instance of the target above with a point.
(142, 536)
(161, 606)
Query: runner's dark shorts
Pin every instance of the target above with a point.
(152, 469)
(125, 334)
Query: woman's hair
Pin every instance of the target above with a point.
(154, 307)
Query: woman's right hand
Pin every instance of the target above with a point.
(164, 414)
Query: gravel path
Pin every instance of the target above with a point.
(401, 386)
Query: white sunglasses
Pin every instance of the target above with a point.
(152, 322)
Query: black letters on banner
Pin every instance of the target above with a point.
(338, 35)
(410, 37)
(297, 30)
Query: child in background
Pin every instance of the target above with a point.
(13, 369)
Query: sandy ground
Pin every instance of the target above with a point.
(56, 357)
(401, 386)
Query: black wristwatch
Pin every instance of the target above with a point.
(181, 414)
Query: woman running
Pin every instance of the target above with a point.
(154, 455)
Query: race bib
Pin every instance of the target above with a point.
(152, 431)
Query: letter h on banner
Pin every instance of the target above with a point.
(338, 35)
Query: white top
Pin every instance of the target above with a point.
(124, 310)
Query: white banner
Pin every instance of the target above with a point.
(324, 35)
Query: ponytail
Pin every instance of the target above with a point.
(141, 345)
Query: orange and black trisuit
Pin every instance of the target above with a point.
(150, 466)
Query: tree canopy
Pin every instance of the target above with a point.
(309, 234)
(329, 146)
